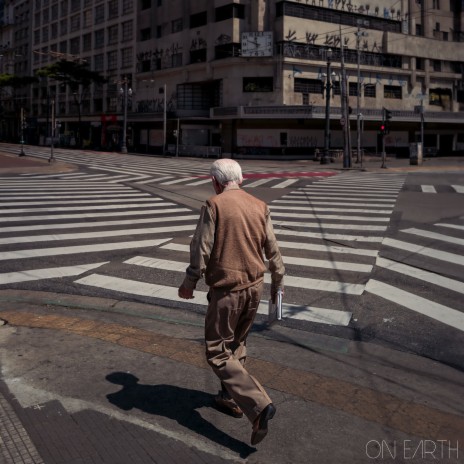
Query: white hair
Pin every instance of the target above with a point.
(226, 171)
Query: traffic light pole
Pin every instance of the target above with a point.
(384, 154)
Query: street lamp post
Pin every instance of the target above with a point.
(125, 93)
(328, 84)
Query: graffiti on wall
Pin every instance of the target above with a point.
(347, 5)
(158, 58)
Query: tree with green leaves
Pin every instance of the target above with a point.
(78, 77)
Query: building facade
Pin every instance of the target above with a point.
(252, 77)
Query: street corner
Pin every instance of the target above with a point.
(29, 164)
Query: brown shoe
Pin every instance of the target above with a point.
(260, 424)
(227, 405)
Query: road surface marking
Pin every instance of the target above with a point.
(95, 234)
(72, 202)
(95, 215)
(327, 248)
(306, 313)
(359, 238)
(90, 248)
(434, 235)
(47, 273)
(200, 182)
(178, 181)
(426, 276)
(295, 196)
(444, 314)
(84, 208)
(412, 248)
(259, 182)
(451, 226)
(85, 225)
(458, 188)
(428, 189)
(35, 196)
(329, 216)
(334, 210)
(285, 183)
(328, 202)
(322, 225)
(303, 282)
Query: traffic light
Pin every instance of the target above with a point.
(388, 115)
(383, 129)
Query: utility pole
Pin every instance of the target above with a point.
(345, 110)
(359, 34)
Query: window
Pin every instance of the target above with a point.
(159, 2)
(63, 27)
(176, 60)
(440, 97)
(420, 64)
(74, 46)
(113, 9)
(159, 32)
(37, 20)
(198, 19)
(127, 31)
(436, 4)
(352, 89)
(46, 15)
(336, 88)
(127, 6)
(308, 86)
(87, 42)
(63, 46)
(437, 65)
(177, 25)
(126, 57)
(64, 8)
(98, 62)
(392, 91)
(258, 84)
(445, 36)
(419, 29)
(54, 30)
(75, 5)
(87, 18)
(199, 96)
(54, 12)
(75, 23)
(370, 90)
(45, 34)
(112, 60)
(145, 34)
(113, 34)
(198, 56)
(99, 14)
(99, 38)
(227, 51)
(146, 4)
(233, 10)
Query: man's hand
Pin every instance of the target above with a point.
(185, 293)
(274, 294)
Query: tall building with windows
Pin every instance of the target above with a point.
(252, 76)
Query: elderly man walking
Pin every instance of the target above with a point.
(233, 233)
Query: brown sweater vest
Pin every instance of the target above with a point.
(236, 260)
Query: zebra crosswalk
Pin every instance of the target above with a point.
(114, 168)
(116, 240)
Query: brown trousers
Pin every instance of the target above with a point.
(228, 320)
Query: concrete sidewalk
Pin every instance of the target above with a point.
(88, 380)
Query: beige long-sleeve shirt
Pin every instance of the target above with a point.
(233, 235)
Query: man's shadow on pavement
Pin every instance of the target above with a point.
(176, 403)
